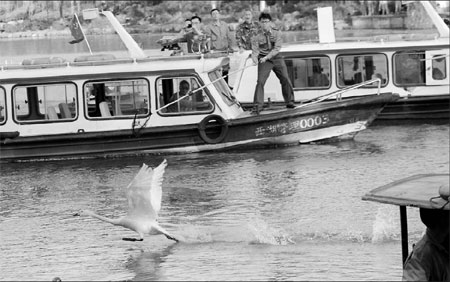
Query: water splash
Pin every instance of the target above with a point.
(264, 234)
(255, 232)
(386, 225)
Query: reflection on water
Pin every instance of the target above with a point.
(292, 213)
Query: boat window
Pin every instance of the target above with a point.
(354, 69)
(309, 72)
(117, 98)
(2, 106)
(171, 91)
(222, 87)
(47, 103)
(438, 66)
(409, 68)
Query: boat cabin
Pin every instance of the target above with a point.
(80, 97)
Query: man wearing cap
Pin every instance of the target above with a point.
(266, 45)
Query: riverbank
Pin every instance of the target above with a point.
(288, 21)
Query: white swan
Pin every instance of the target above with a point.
(144, 202)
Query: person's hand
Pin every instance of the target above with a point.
(262, 60)
(241, 50)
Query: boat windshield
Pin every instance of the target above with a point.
(222, 87)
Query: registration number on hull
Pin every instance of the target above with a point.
(292, 126)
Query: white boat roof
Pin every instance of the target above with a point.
(360, 46)
(421, 190)
(119, 65)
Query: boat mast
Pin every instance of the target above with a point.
(436, 19)
(133, 48)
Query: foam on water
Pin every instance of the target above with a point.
(265, 234)
(257, 231)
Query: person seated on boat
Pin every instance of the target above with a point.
(409, 70)
(99, 92)
(192, 103)
(429, 259)
(358, 70)
(438, 74)
(380, 76)
(318, 78)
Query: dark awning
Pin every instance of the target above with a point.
(421, 190)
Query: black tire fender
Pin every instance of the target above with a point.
(223, 129)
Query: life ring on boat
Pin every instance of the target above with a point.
(215, 119)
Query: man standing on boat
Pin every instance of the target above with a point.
(221, 40)
(245, 32)
(266, 45)
(192, 34)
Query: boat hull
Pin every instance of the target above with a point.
(275, 126)
(419, 109)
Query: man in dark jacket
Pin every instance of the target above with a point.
(429, 260)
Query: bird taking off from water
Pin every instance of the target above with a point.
(144, 202)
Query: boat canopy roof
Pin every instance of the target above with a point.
(106, 63)
(430, 191)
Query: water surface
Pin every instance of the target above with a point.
(237, 211)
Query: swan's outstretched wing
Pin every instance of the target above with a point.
(144, 192)
(155, 191)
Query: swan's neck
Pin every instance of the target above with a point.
(114, 221)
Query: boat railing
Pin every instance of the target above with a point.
(338, 94)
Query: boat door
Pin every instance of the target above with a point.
(437, 65)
